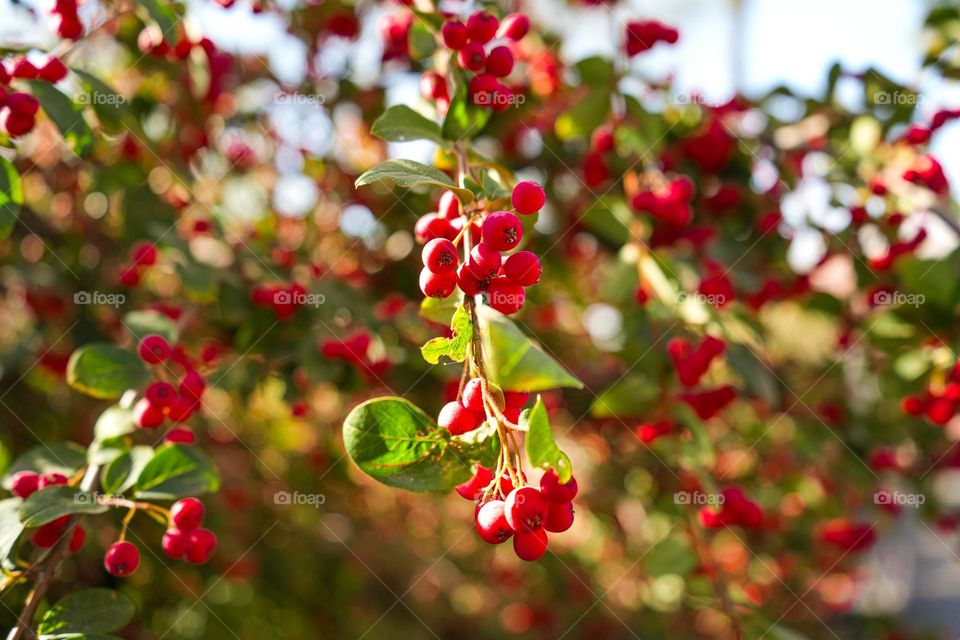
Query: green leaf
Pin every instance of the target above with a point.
(440, 310)
(109, 105)
(141, 324)
(671, 555)
(513, 362)
(164, 17)
(113, 423)
(10, 526)
(176, 471)
(464, 120)
(408, 173)
(630, 397)
(422, 41)
(57, 457)
(454, 348)
(582, 119)
(396, 443)
(542, 450)
(65, 114)
(122, 473)
(926, 281)
(105, 371)
(88, 611)
(492, 188)
(400, 123)
(50, 503)
(11, 197)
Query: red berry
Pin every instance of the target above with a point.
(526, 509)
(940, 410)
(51, 479)
(121, 559)
(472, 397)
(154, 349)
(23, 104)
(77, 538)
(129, 277)
(913, 405)
(180, 435)
(24, 483)
(505, 297)
(528, 197)
(182, 409)
(47, 535)
(500, 62)
(200, 545)
(458, 419)
(192, 385)
(522, 268)
(514, 26)
(473, 488)
(530, 545)
(53, 71)
(515, 399)
(433, 226)
(24, 69)
(482, 26)
(502, 230)
(469, 283)
(449, 208)
(484, 261)
(174, 543)
(492, 523)
(143, 254)
(440, 256)
(455, 34)
(160, 394)
(187, 514)
(147, 415)
(483, 87)
(559, 517)
(433, 86)
(437, 285)
(554, 491)
(472, 57)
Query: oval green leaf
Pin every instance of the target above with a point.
(105, 371)
(88, 611)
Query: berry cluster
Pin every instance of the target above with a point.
(161, 400)
(185, 538)
(692, 363)
(23, 485)
(643, 35)
(466, 414)
(669, 203)
(928, 173)
(18, 111)
(920, 134)
(485, 270)
(355, 350)
(938, 405)
(527, 514)
(736, 509)
(66, 21)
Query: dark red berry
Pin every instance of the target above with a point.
(192, 385)
(526, 509)
(24, 483)
(437, 285)
(200, 545)
(77, 538)
(433, 226)
(472, 57)
(484, 261)
(182, 409)
(502, 230)
(554, 491)
(440, 256)
(455, 34)
(160, 394)
(528, 197)
(449, 207)
(505, 297)
(482, 27)
(492, 523)
(500, 62)
(530, 545)
(187, 514)
(154, 349)
(522, 269)
(174, 543)
(515, 399)
(121, 559)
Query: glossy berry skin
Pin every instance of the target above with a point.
(484, 261)
(160, 394)
(154, 349)
(515, 399)
(146, 415)
(455, 34)
(449, 207)
(187, 514)
(51, 479)
(472, 397)
(492, 523)
(472, 57)
(500, 62)
(522, 268)
(121, 559)
(553, 491)
(200, 545)
(502, 230)
(528, 197)
(505, 297)
(440, 256)
(181, 410)
(458, 419)
(174, 543)
(473, 488)
(526, 510)
(433, 226)
(530, 545)
(469, 283)
(192, 385)
(482, 26)
(514, 26)
(559, 517)
(24, 483)
(437, 285)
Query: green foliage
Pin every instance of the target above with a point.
(91, 611)
(455, 347)
(542, 450)
(400, 123)
(105, 371)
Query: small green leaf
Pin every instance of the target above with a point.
(541, 447)
(65, 114)
(513, 362)
(50, 503)
(440, 310)
(408, 173)
(454, 348)
(11, 197)
(400, 123)
(464, 120)
(492, 189)
(88, 611)
(105, 371)
(10, 526)
(122, 473)
(113, 423)
(176, 471)
(57, 457)
(141, 324)
(396, 443)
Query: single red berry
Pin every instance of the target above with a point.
(514, 26)
(505, 297)
(472, 397)
(482, 89)
(940, 410)
(121, 559)
(192, 385)
(24, 70)
(500, 62)
(528, 197)
(449, 207)
(154, 349)
(440, 256)
(129, 277)
(143, 254)
(53, 71)
(174, 543)
(433, 86)
(913, 405)
(160, 394)
(458, 419)
(530, 545)
(492, 523)
(526, 509)
(47, 535)
(515, 399)
(24, 483)
(469, 283)
(147, 415)
(522, 268)
(482, 26)
(559, 517)
(77, 538)
(437, 285)
(502, 230)
(181, 409)
(473, 488)
(472, 57)
(433, 226)
(200, 545)
(187, 514)
(455, 34)
(484, 261)
(180, 435)
(554, 491)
